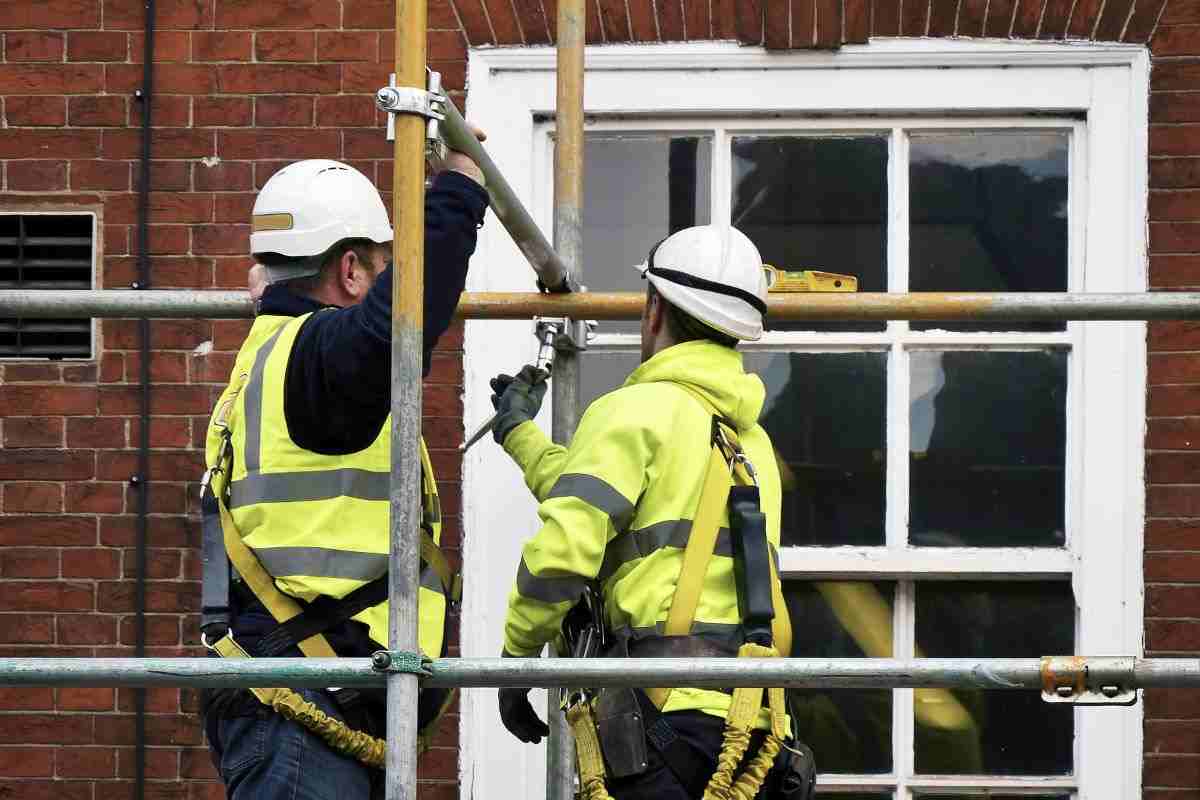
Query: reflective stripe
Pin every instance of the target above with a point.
(254, 392)
(633, 545)
(549, 590)
(284, 487)
(724, 634)
(640, 543)
(598, 494)
(321, 562)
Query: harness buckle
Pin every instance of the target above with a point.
(741, 458)
(212, 647)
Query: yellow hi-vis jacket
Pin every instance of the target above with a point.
(618, 505)
(317, 523)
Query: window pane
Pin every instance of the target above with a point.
(849, 730)
(825, 415)
(639, 189)
(813, 203)
(600, 373)
(988, 214)
(987, 449)
(993, 732)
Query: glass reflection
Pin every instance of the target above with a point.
(988, 213)
(815, 203)
(639, 189)
(988, 449)
(849, 730)
(825, 416)
(990, 732)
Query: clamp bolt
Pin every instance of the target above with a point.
(1065, 691)
(1110, 691)
(381, 660)
(387, 98)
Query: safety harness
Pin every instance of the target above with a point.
(730, 483)
(299, 627)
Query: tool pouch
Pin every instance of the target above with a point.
(619, 725)
(794, 776)
(622, 732)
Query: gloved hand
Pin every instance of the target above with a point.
(517, 399)
(519, 717)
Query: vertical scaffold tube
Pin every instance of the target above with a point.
(408, 257)
(568, 243)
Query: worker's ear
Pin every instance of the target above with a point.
(354, 277)
(656, 314)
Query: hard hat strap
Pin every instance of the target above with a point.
(693, 282)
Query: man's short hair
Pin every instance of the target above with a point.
(683, 327)
(310, 283)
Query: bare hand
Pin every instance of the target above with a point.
(457, 161)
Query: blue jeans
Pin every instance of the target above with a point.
(263, 756)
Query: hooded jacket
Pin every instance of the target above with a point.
(617, 506)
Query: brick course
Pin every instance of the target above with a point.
(243, 86)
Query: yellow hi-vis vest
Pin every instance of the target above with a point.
(319, 524)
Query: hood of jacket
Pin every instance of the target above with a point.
(713, 371)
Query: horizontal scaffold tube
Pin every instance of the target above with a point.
(846, 673)
(933, 306)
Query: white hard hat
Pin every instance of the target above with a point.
(715, 274)
(308, 207)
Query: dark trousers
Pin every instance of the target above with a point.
(702, 732)
(263, 756)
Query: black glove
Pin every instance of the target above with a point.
(517, 399)
(519, 717)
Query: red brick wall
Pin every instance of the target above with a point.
(246, 85)
(242, 87)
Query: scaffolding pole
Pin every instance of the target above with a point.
(551, 270)
(408, 301)
(568, 242)
(1016, 674)
(877, 307)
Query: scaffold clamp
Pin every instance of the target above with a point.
(1088, 681)
(428, 103)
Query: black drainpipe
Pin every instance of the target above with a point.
(142, 479)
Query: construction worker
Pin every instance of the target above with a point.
(302, 435)
(620, 507)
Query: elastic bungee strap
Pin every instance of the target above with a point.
(587, 751)
(359, 745)
(743, 712)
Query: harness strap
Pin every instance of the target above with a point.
(281, 606)
(326, 612)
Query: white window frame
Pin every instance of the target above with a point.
(1098, 90)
